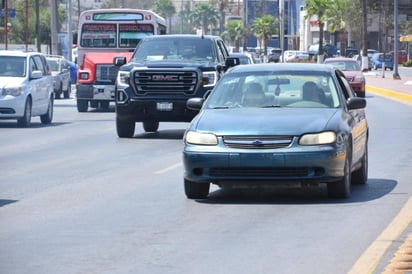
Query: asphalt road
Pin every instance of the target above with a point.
(74, 198)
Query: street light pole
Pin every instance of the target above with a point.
(6, 25)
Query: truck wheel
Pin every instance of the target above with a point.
(125, 129)
(104, 104)
(82, 105)
(94, 104)
(150, 126)
(67, 91)
(196, 190)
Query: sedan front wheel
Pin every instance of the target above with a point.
(196, 190)
(341, 188)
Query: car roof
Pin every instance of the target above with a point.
(168, 36)
(340, 59)
(283, 67)
(18, 53)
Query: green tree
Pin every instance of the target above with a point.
(205, 15)
(233, 33)
(318, 8)
(186, 25)
(223, 4)
(336, 18)
(166, 9)
(263, 28)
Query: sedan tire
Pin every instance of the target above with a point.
(342, 188)
(196, 190)
(360, 176)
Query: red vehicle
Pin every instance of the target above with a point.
(352, 72)
(102, 35)
(402, 56)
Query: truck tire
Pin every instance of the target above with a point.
(150, 126)
(82, 105)
(125, 129)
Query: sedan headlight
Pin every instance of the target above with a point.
(13, 91)
(323, 138)
(209, 78)
(200, 138)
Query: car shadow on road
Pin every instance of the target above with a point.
(4, 202)
(374, 189)
(171, 134)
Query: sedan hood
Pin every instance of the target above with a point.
(263, 121)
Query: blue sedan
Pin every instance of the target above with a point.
(267, 124)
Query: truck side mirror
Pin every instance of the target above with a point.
(119, 61)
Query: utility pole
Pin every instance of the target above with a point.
(395, 43)
(281, 26)
(53, 27)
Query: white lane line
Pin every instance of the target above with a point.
(168, 168)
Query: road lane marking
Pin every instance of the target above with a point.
(370, 259)
(168, 168)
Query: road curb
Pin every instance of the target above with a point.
(370, 259)
(390, 93)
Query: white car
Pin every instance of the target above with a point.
(26, 87)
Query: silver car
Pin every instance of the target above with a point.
(26, 87)
(61, 75)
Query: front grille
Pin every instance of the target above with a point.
(106, 74)
(257, 142)
(350, 79)
(165, 81)
(7, 111)
(298, 172)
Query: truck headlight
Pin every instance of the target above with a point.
(123, 78)
(209, 78)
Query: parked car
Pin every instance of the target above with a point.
(295, 55)
(377, 59)
(61, 75)
(328, 49)
(274, 55)
(270, 124)
(26, 87)
(358, 58)
(402, 56)
(350, 52)
(353, 72)
(244, 58)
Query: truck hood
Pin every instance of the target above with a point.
(169, 64)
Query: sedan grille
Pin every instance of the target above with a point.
(257, 142)
(350, 79)
(165, 81)
(106, 74)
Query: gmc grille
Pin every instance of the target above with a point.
(106, 74)
(165, 81)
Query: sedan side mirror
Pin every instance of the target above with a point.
(356, 103)
(195, 103)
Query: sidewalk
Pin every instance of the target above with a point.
(400, 89)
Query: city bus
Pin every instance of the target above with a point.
(102, 35)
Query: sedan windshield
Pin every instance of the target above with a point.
(275, 89)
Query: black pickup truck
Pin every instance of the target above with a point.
(163, 73)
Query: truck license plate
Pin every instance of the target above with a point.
(164, 106)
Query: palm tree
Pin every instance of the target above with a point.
(205, 15)
(166, 9)
(222, 6)
(263, 28)
(318, 8)
(233, 33)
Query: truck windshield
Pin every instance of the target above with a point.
(175, 49)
